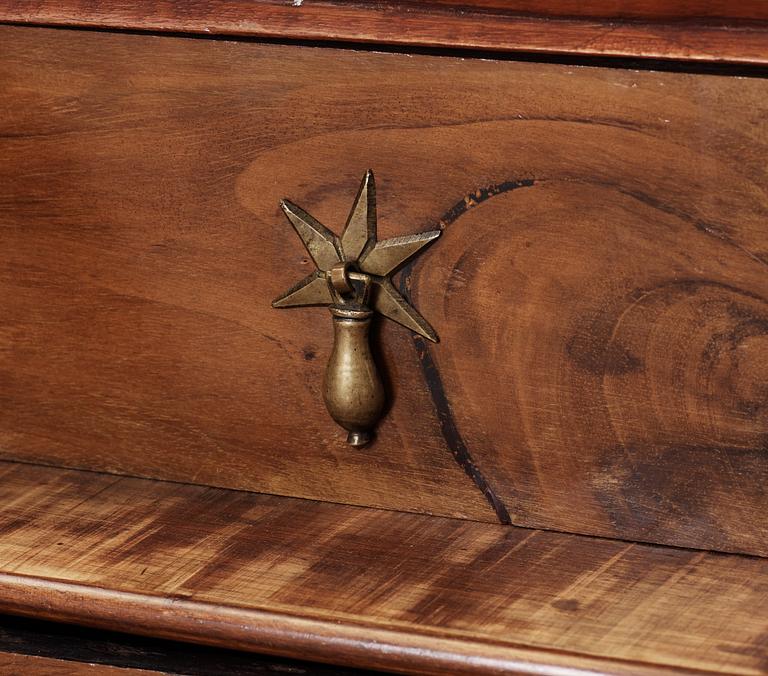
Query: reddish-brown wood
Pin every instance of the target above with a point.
(722, 10)
(599, 289)
(31, 646)
(698, 30)
(367, 587)
(13, 664)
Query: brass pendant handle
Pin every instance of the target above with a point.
(352, 390)
(353, 278)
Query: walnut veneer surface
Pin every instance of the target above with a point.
(600, 285)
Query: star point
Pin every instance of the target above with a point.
(361, 224)
(359, 247)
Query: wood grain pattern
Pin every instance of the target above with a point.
(186, 364)
(600, 286)
(12, 664)
(33, 646)
(695, 30)
(369, 587)
(722, 10)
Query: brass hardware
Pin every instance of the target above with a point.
(353, 279)
(339, 278)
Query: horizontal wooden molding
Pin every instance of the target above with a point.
(698, 31)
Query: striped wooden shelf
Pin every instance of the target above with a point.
(367, 587)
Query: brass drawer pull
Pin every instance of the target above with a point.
(353, 278)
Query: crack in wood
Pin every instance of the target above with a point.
(448, 428)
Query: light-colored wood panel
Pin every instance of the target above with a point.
(369, 587)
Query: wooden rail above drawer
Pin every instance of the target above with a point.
(690, 30)
(367, 587)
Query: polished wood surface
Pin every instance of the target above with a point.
(368, 588)
(599, 287)
(13, 664)
(658, 10)
(693, 30)
(30, 646)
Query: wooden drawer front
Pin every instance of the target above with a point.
(600, 288)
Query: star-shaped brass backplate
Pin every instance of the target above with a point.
(353, 278)
(357, 262)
